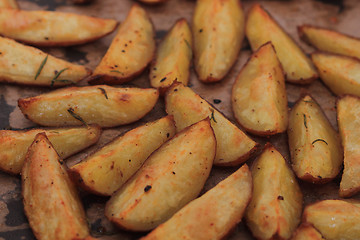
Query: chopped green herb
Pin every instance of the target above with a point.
(309, 101)
(163, 79)
(41, 67)
(116, 71)
(147, 188)
(55, 79)
(188, 44)
(305, 124)
(319, 140)
(103, 92)
(212, 115)
(74, 115)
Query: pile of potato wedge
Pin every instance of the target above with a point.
(157, 177)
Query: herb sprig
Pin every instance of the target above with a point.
(41, 67)
(76, 116)
(103, 91)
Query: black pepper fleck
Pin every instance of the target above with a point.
(147, 188)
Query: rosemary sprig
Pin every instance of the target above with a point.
(41, 67)
(319, 140)
(305, 124)
(74, 115)
(212, 115)
(188, 44)
(103, 92)
(117, 71)
(55, 79)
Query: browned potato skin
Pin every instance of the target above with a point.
(67, 141)
(306, 232)
(133, 44)
(212, 215)
(173, 58)
(51, 31)
(171, 177)
(259, 99)
(335, 219)
(348, 108)
(330, 41)
(261, 27)
(275, 209)
(313, 161)
(51, 202)
(218, 31)
(103, 105)
(9, 4)
(110, 167)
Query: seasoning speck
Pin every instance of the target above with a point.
(147, 188)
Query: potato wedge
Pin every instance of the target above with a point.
(275, 209)
(218, 30)
(103, 105)
(170, 178)
(339, 73)
(26, 65)
(9, 4)
(335, 219)
(66, 141)
(261, 28)
(130, 52)
(110, 167)
(306, 232)
(233, 145)
(315, 148)
(212, 215)
(330, 41)
(172, 61)
(47, 28)
(51, 202)
(259, 99)
(348, 114)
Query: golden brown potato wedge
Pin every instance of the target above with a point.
(306, 232)
(9, 4)
(51, 202)
(330, 41)
(22, 64)
(339, 73)
(103, 105)
(233, 145)
(170, 178)
(130, 52)
(348, 114)
(173, 58)
(335, 219)
(261, 28)
(66, 141)
(212, 215)
(275, 209)
(218, 30)
(47, 28)
(109, 168)
(259, 99)
(315, 148)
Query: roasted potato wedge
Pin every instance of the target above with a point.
(51, 202)
(9, 4)
(330, 41)
(103, 105)
(172, 61)
(259, 99)
(339, 73)
(348, 114)
(26, 65)
(66, 141)
(170, 178)
(212, 215)
(315, 148)
(233, 145)
(306, 232)
(47, 28)
(335, 219)
(275, 209)
(218, 30)
(261, 28)
(130, 52)
(109, 168)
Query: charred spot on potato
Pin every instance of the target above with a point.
(147, 188)
(200, 30)
(280, 197)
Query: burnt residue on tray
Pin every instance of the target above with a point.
(23, 234)
(5, 111)
(75, 55)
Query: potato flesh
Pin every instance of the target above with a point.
(173, 57)
(340, 73)
(306, 232)
(212, 215)
(233, 146)
(48, 191)
(316, 152)
(259, 98)
(131, 50)
(261, 28)
(103, 105)
(170, 178)
(47, 28)
(9, 4)
(334, 219)
(348, 113)
(218, 30)
(276, 204)
(330, 41)
(66, 141)
(109, 168)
